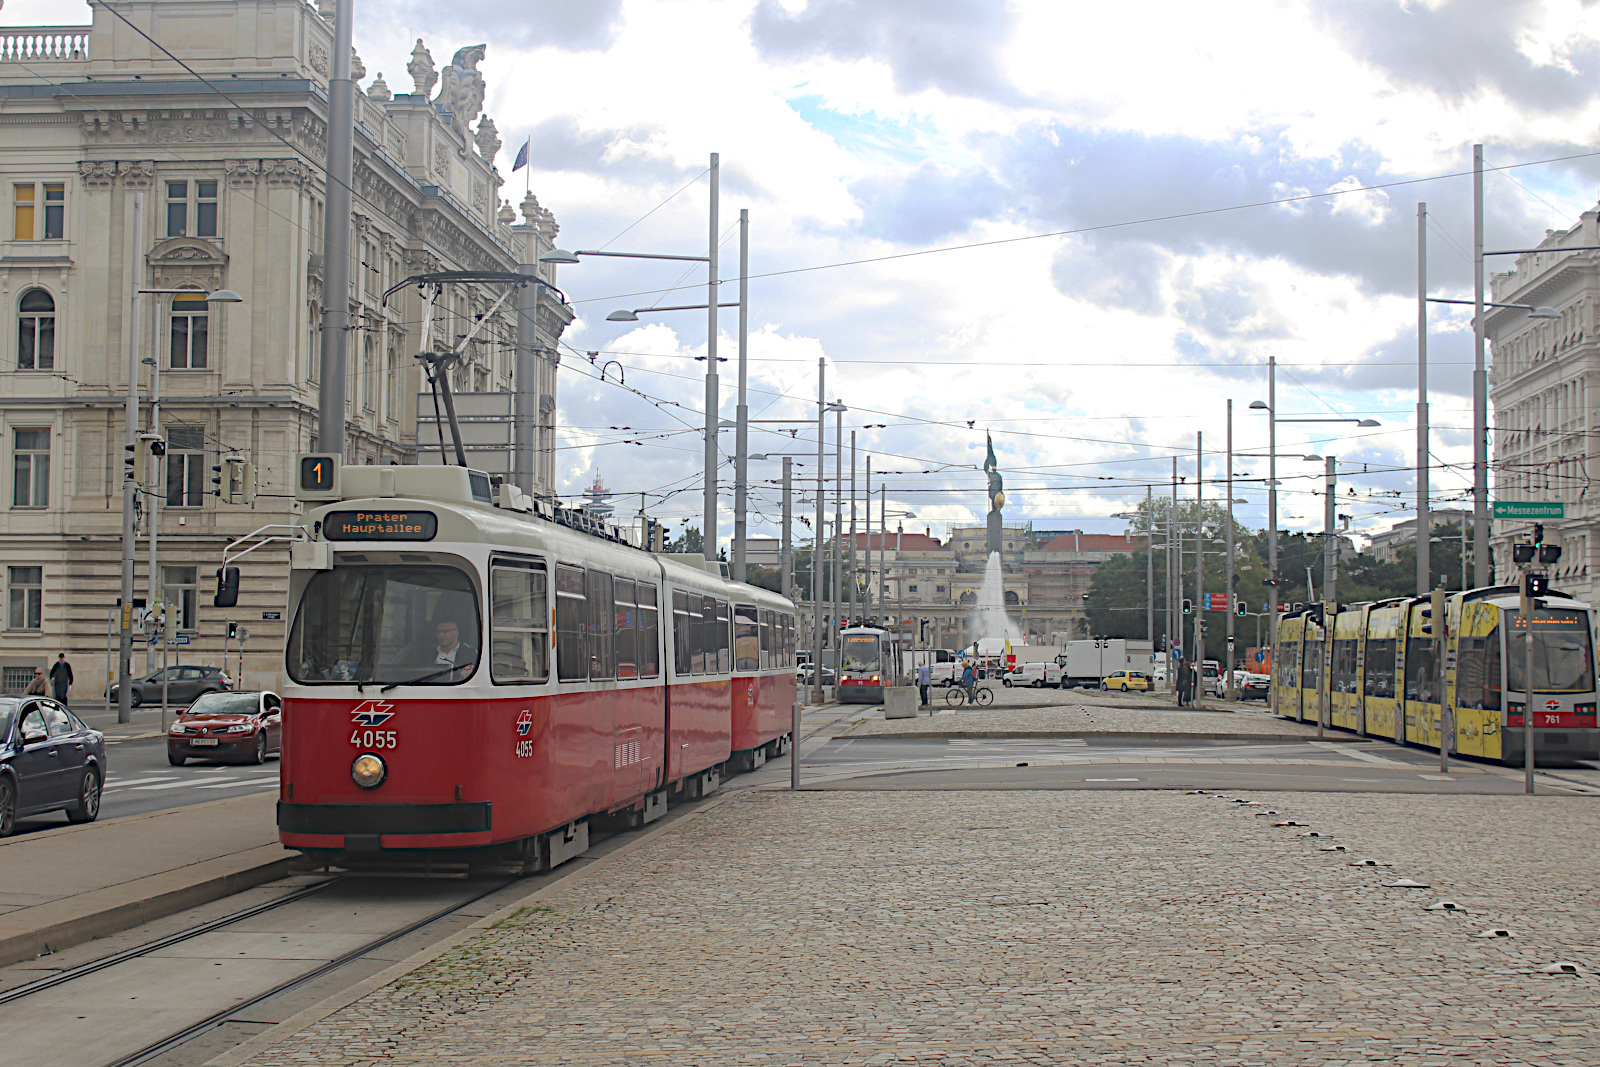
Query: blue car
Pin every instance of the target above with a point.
(49, 761)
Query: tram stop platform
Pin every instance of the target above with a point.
(959, 927)
(66, 885)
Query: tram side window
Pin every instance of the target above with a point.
(1311, 666)
(683, 632)
(791, 641)
(602, 627)
(1288, 663)
(518, 623)
(646, 633)
(572, 612)
(1422, 670)
(724, 661)
(1380, 667)
(765, 620)
(746, 637)
(1344, 666)
(627, 629)
(1478, 672)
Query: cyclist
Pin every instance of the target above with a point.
(969, 680)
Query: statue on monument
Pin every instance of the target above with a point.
(997, 496)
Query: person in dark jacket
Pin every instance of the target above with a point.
(1185, 685)
(61, 677)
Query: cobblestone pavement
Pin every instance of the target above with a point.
(1054, 928)
(1080, 714)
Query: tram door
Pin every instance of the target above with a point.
(1478, 695)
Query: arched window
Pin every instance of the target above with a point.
(189, 331)
(1012, 597)
(36, 331)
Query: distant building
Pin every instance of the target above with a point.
(596, 500)
(1543, 421)
(1385, 545)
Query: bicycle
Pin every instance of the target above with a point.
(982, 695)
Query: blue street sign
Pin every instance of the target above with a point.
(1261, 656)
(1177, 653)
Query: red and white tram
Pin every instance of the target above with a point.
(462, 675)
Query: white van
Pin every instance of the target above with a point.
(1038, 675)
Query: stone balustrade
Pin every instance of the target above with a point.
(39, 44)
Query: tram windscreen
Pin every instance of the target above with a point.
(385, 625)
(861, 653)
(1563, 660)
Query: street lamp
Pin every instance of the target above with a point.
(562, 256)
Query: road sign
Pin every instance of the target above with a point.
(1261, 655)
(271, 616)
(1529, 509)
(181, 639)
(1216, 601)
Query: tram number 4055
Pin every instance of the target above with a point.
(374, 739)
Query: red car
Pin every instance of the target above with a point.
(232, 727)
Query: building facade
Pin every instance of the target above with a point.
(225, 147)
(1543, 421)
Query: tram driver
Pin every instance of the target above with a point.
(447, 656)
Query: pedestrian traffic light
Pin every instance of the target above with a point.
(1536, 585)
(1188, 606)
(233, 630)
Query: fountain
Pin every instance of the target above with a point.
(992, 618)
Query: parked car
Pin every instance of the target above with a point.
(1252, 686)
(49, 761)
(244, 727)
(1211, 678)
(1038, 675)
(805, 675)
(184, 685)
(1126, 680)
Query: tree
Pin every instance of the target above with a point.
(690, 542)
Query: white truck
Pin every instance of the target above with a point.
(1084, 663)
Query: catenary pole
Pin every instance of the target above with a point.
(786, 562)
(130, 479)
(817, 542)
(338, 175)
(152, 516)
(1330, 540)
(1424, 520)
(713, 416)
(741, 432)
(1199, 567)
(852, 567)
(866, 599)
(1232, 594)
(838, 531)
(1150, 569)
(1272, 478)
(1480, 390)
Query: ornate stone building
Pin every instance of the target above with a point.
(218, 118)
(1543, 421)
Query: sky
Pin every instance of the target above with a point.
(1081, 228)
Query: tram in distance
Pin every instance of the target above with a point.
(1375, 667)
(469, 680)
(868, 657)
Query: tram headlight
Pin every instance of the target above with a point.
(368, 771)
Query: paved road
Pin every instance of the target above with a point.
(1092, 763)
(140, 779)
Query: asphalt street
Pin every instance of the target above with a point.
(1090, 763)
(139, 779)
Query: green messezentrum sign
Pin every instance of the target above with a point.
(1529, 509)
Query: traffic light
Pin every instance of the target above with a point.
(1161, 643)
(1269, 581)
(227, 594)
(235, 480)
(1538, 533)
(1241, 609)
(233, 631)
(1522, 554)
(1536, 585)
(147, 452)
(1188, 606)
(1549, 554)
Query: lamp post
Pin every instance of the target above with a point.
(131, 481)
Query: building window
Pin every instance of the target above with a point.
(30, 469)
(186, 467)
(368, 388)
(25, 591)
(180, 593)
(189, 332)
(27, 215)
(202, 207)
(36, 331)
(912, 588)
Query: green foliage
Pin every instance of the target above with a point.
(690, 542)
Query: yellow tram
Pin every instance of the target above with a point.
(1372, 669)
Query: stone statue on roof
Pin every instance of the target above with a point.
(421, 70)
(461, 88)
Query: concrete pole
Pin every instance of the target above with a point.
(524, 395)
(338, 176)
(852, 567)
(1150, 567)
(1174, 627)
(1233, 611)
(741, 433)
(713, 417)
(1424, 521)
(786, 557)
(1526, 607)
(866, 605)
(1272, 479)
(130, 481)
(1330, 546)
(1199, 567)
(816, 549)
(1480, 389)
(838, 523)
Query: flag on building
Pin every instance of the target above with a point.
(522, 155)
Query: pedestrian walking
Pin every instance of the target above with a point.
(1182, 669)
(61, 677)
(924, 679)
(36, 688)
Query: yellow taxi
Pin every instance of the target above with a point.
(1126, 680)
